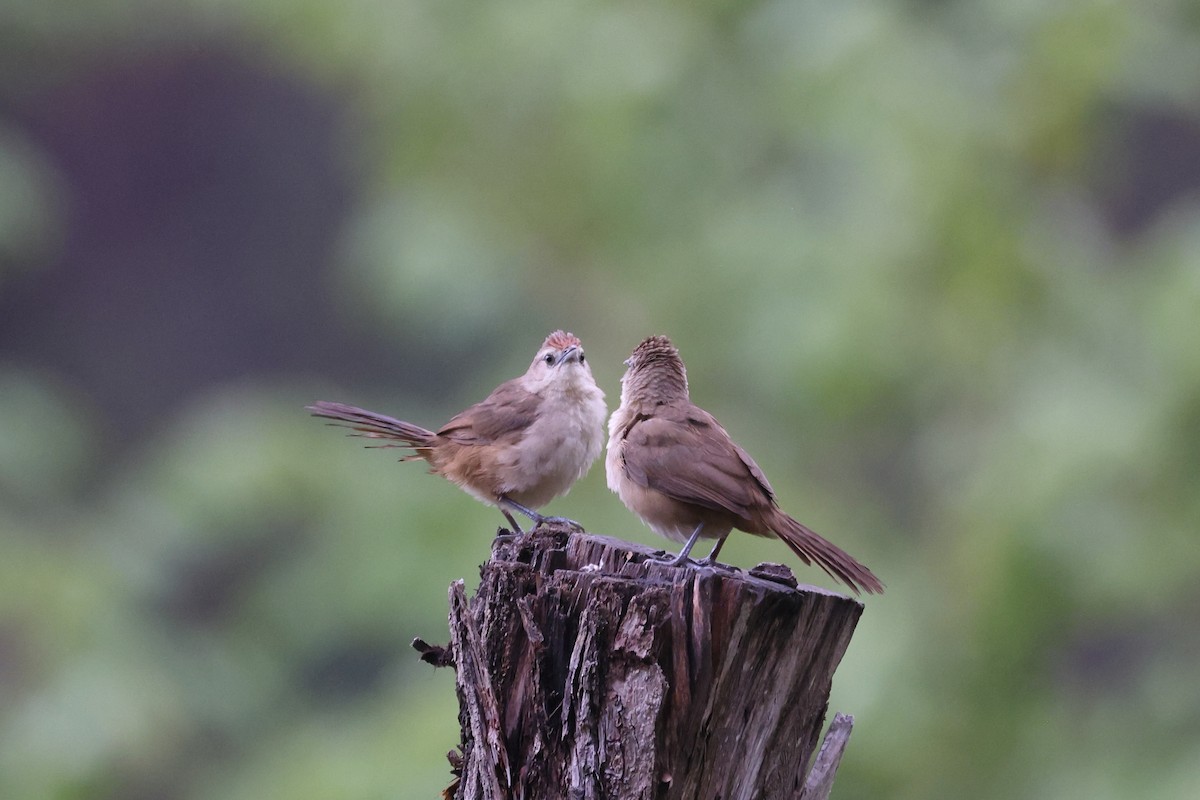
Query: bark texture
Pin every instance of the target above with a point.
(585, 672)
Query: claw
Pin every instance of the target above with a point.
(672, 561)
(570, 523)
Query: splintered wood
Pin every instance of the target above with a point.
(583, 671)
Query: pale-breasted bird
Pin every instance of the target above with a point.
(519, 448)
(673, 465)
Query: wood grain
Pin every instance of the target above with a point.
(583, 671)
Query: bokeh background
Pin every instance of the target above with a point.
(936, 264)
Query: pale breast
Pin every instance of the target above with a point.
(559, 447)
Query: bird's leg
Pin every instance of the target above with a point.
(683, 554)
(711, 559)
(538, 519)
(511, 520)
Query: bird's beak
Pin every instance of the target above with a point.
(568, 355)
(628, 362)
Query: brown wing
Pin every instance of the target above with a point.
(505, 413)
(686, 454)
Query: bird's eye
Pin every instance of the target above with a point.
(582, 357)
(548, 358)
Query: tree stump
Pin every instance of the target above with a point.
(583, 671)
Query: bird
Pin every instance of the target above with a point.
(522, 446)
(674, 466)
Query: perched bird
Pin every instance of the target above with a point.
(518, 449)
(673, 465)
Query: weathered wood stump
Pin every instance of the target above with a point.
(585, 672)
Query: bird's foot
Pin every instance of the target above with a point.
(671, 561)
(563, 521)
(682, 558)
(711, 563)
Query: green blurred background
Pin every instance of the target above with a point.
(936, 264)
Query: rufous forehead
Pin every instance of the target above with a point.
(561, 340)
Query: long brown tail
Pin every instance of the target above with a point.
(370, 425)
(812, 547)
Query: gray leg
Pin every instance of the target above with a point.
(711, 558)
(538, 519)
(511, 520)
(683, 554)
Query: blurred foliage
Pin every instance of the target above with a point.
(937, 265)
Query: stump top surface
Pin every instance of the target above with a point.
(552, 548)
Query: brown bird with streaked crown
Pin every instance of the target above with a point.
(673, 465)
(519, 448)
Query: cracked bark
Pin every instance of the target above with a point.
(584, 672)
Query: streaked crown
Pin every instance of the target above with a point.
(561, 340)
(655, 349)
(656, 374)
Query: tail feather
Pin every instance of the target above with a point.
(370, 425)
(813, 548)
